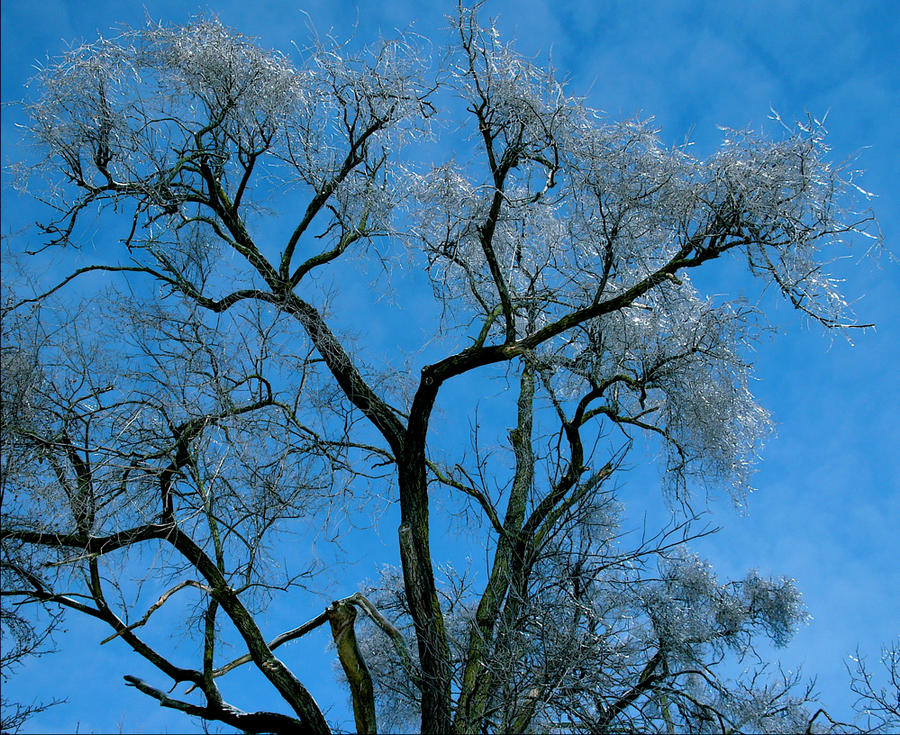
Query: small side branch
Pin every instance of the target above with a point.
(279, 640)
(301, 630)
(87, 269)
(471, 492)
(156, 605)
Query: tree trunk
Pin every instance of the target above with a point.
(418, 575)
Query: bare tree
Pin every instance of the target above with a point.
(878, 704)
(218, 405)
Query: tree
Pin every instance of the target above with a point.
(217, 408)
(879, 704)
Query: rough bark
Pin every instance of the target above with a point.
(477, 676)
(342, 616)
(418, 573)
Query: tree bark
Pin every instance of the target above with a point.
(418, 574)
(478, 676)
(342, 616)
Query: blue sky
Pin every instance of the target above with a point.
(828, 499)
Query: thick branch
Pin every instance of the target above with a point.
(341, 616)
(247, 721)
(647, 680)
(274, 670)
(478, 356)
(382, 416)
(478, 676)
(279, 640)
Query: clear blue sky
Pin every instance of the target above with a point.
(828, 502)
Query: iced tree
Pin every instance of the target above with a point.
(219, 406)
(877, 704)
